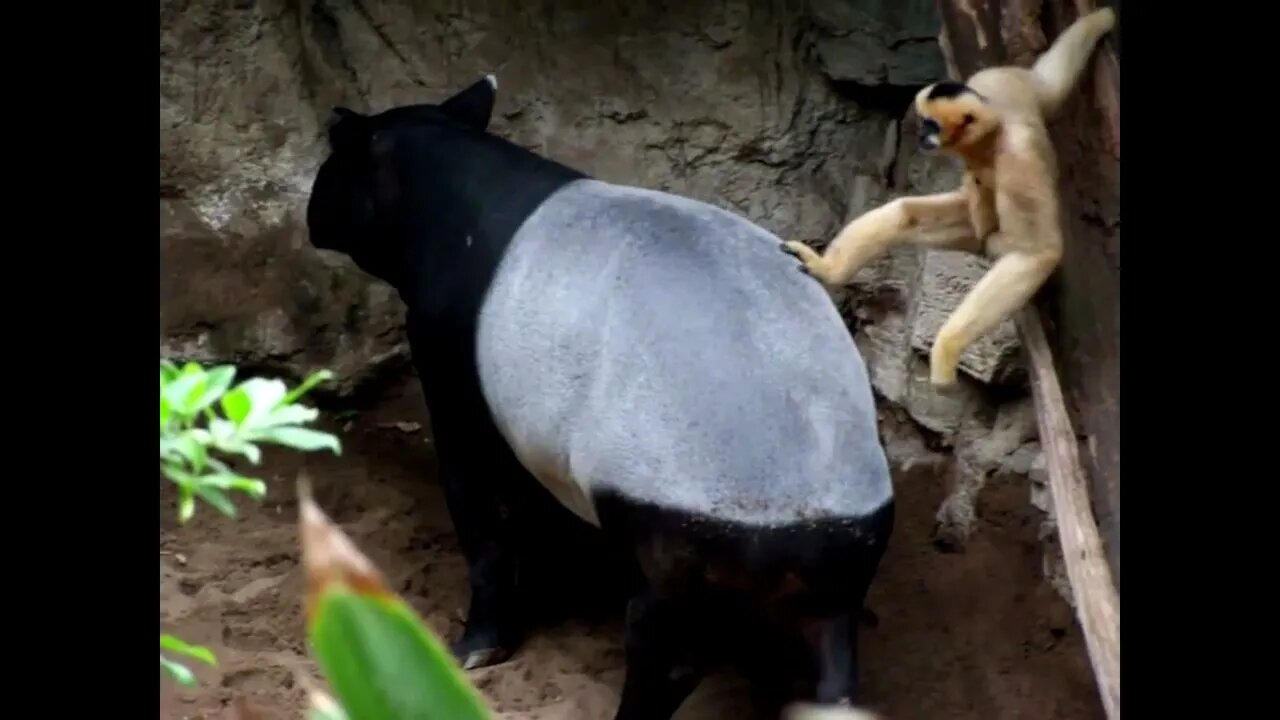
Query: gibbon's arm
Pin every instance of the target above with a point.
(1058, 70)
(937, 221)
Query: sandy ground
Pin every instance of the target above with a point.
(972, 635)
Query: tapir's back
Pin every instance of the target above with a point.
(661, 348)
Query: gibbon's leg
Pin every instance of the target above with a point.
(937, 221)
(1011, 282)
(1058, 70)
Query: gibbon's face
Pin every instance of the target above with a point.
(951, 116)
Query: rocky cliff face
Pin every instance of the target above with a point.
(788, 112)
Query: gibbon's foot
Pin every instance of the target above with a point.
(945, 389)
(944, 358)
(942, 375)
(942, 370)
(1105, 19)
(811, 263)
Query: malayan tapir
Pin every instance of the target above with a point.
(656, 363)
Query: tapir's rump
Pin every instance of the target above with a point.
(653, 346)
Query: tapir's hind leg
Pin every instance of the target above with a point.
(661, 670)
(818, 664)
(832, 633)
(773, 663)
(834, 644)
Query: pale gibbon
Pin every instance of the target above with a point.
(1008, 203)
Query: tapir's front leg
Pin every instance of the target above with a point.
(474, 494)
(470, 457)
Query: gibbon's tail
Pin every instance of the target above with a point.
(1058, 70)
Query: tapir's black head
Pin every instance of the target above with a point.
(357, 186)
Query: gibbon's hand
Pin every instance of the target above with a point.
(811, 263)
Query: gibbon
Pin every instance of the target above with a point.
(1008, 203)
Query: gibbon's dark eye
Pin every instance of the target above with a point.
(968, 119)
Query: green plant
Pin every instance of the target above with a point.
(193, 432)
(381, 660)
(257, 411)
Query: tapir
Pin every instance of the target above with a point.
(652, 363)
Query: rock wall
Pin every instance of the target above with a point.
(789, 112)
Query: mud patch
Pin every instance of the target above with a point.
(971, 635)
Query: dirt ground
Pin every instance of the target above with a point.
(969, 635)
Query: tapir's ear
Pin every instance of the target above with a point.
(345, 127)
(474, 105)
(338, 114)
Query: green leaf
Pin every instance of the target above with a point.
(221, 430)
(233, 481)
(178, 671)
(303, 439)
(226, 437)
(237, 446)
(383, 664)
(165, 412)
(190, 449)
(290, 415)
(174, 645)
(217, 466)
(186, 503)
(236, 405)
(217, 499)
(179, 475)
(183, 390)
(313, 380)
(177, 392)
(168, 371)
(216, 383)
(210, 485)
(264, 395)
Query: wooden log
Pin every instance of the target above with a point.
(1097, 602)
